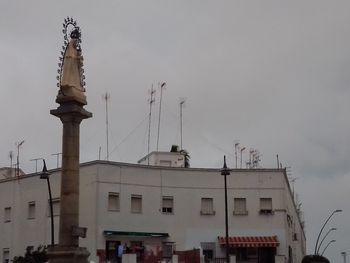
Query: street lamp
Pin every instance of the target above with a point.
(319, 234)
(45, 175)
(330, 242)
(225, 171)
(319, 246)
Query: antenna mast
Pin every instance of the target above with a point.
(57, 158)
(106, 97)
(18, 145)
(161, 87)
(236, 152)
(151, 101)
(182, 102)
(11, 158)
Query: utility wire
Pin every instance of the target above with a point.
(130, 133)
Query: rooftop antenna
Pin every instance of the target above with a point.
(241, 151)
(18, 145)
(11, 158)
(106, 97)
(36, 163)
(150, 101)
(57, 158)
(182, 102)
(161, 87)
(236, 152)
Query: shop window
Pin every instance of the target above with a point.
(168, 249)
(6, 255)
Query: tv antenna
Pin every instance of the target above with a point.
(182, 104)
(150, 101)
(36, 163)
(11, 158)
(18, 145)
(161, 86)
(236, 151)
(57, 158)
(106, 97)
(241, 152)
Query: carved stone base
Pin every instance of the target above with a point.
(68, 255)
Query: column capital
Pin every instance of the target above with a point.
(71, 112)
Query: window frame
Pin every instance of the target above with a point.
(138, 197)
(266, 210)
(164, 208)
(31, 205)
(7, 214)
(113, 194)
(239, 212)
(204, 211)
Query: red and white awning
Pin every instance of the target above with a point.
(251, 241)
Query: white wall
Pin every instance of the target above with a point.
(186, 226)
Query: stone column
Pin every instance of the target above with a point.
(71, 114)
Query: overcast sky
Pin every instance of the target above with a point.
(274, 75)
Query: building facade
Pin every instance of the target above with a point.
(157, 210)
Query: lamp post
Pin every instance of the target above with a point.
(45, 175)
(330, 242)
(319, 234)
(319, 246)
(225, 171)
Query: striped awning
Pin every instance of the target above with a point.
(251, 241)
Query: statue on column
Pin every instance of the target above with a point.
(70, 73)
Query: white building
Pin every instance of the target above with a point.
(159, 209)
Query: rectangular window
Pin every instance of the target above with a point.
(240, 206)
(207, 206)
(6, 255)
(168, 249)
(136, 204)
(168, 204)
(55, 207)
(113, 202)
(265, 205)
(31, 210)
(7, 214)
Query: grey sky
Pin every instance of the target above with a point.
(272, 74)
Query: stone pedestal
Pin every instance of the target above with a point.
(71, 114)
(62, 254)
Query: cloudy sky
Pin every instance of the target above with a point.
(272, 74)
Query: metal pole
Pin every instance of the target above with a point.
(330, 242)
(225, 171)
(319, 246)
(51, 212)
(181, 103)
(319, 234)
(226, 222)
(149, 122)
(160, 109)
